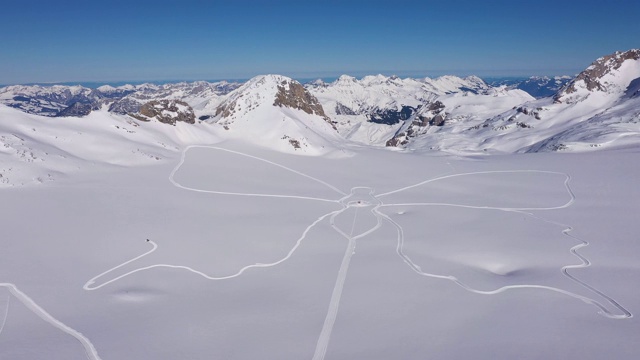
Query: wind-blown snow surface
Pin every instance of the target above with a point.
(360, 254)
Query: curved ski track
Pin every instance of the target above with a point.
(90, 350)
(325, 334)
(6, 313)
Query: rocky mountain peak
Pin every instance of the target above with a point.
(592, 77)
(270, 90)
(293, 95)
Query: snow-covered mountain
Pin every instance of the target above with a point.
(372, 109)
(608, 77)
(196, 94)
(275, 111)
(36, 149)
(78, 101)
(599, 108)
(49, 100)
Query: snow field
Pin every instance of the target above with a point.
(329, 279)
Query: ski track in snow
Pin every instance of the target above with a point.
(183, 156)
(334, 304)
(90, 350)
(602, 309)
(584, 261)
(332, 312)
(89, 284)
(6, 313)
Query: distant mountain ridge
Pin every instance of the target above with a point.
(599, 108)
(536, 86)
(79, 100)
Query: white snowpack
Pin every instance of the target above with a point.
(158, 242)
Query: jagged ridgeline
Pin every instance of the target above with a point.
(597, 108)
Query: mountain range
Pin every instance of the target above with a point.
(598, 108)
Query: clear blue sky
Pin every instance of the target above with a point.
(100, 40)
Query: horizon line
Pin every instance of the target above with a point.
(301, 79)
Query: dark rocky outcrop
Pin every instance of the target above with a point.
(432, 114)
(391, 116)
(293, 95)
(166, 111)
(531, 112)
(226, 110)
(437, 120)
(396, 140)
(633, 89)
(344, 110)
(77, 109)
(125, 106)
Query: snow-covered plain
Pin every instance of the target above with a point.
(156, 244)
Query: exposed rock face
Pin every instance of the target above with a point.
(391, 116)
(268, 91)
(77, 109)
(527, 111)
(293, 95)
(344, 110)
(633, 90)
(125, 106)
(592, 76)
(275, 110)
(437, 120)
(432, 114)
(166, 111)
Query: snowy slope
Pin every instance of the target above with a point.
(362, 257)
(445, 129)
(599, 108)
(592, 111)
(36, 149)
